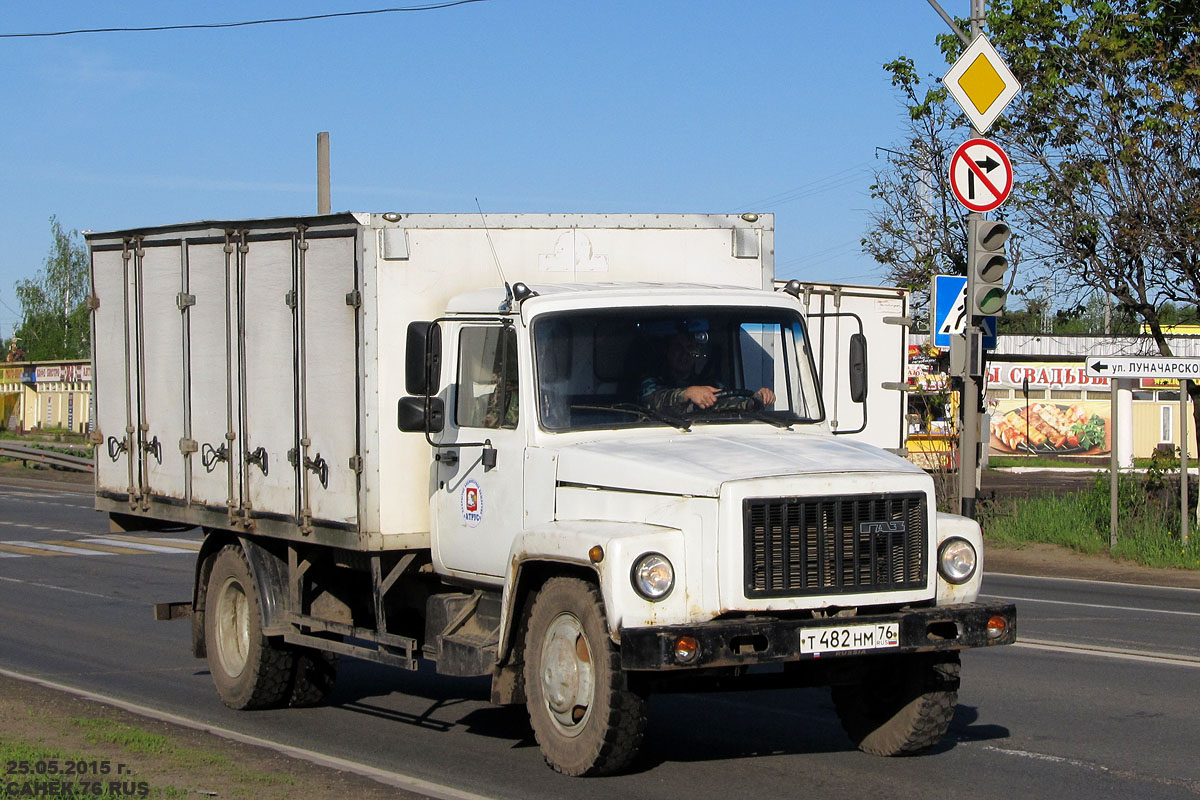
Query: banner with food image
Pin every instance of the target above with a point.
(1046, 427)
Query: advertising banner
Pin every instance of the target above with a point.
(1041, 427)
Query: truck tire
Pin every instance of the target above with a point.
(315, 674)
(585, 718)
(249, 670)
(902, 706)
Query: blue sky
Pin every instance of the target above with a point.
(529, 105)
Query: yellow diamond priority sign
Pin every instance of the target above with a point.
(981, 83)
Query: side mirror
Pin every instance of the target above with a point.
(422, 358)
(410, 414)
(858, 368)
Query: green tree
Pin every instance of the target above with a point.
(54, 312)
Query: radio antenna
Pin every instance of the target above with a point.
(508, 293)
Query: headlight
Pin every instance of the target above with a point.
(653, 576)
(956, 560)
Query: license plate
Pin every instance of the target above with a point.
(869, 636)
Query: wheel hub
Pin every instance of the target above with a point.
(568, 677)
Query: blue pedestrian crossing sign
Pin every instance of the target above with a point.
(949, 304)
(949, 308)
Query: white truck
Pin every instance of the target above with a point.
(396, 455)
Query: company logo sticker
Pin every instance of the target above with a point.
(471, 501)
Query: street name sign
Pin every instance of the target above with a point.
(981, 174)
(1144, 367)
(981, 83)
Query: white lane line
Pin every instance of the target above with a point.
(56, 588)
(1146, 657)
(12, 555)
(1092, 605)
(149, 548)
(1070, 762)
(57, 548)
(1093, 581)
(396, 779)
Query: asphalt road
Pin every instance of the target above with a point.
(1099, 700)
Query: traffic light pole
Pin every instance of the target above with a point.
(972, 390)
(972, 384)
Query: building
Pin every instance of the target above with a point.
(46, 395)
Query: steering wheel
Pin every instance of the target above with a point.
(740, 399)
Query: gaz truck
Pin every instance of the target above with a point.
(475, 442)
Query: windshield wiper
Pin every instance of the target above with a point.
(654, 414)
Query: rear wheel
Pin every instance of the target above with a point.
(585, 718)
(902, 706)
(249, 669)
(315, 674)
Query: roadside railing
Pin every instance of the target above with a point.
(39, 455)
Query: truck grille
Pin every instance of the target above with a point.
(799, 546)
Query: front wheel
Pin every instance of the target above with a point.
(902, 706)
(585, 718)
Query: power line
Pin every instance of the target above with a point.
(213, 25)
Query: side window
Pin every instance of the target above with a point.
(486, 395)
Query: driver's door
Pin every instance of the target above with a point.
(479, 509)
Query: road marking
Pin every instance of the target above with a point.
(1092, 605)
(56, 547)
(95, 549)
(1071, 762)
(27, 551)
(181, 546)
(1121, 654)
(1094, 582)
(58, 588)
(396, 779)
(187, 544)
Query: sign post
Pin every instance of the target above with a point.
(1181, 369)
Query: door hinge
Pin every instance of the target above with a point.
(93, 302)
(356, 464)
(354, 298)
(184, 300)
(290, 299)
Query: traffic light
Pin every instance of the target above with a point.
(987, 264)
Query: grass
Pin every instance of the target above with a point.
(1148, 533)
(1003, 462)
(33, 769)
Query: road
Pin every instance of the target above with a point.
(1099, 700)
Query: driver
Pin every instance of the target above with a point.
(687, 355)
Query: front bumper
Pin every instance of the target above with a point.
(766, 640)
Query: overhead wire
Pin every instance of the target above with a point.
(246, 23)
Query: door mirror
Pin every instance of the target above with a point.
(422, 358)
(411, 418)
(858, 368)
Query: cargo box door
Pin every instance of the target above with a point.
(114, 337)
(268, 377)
(212, 373)
(161, 373)
(329, 345)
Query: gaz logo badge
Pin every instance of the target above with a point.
(880, 527)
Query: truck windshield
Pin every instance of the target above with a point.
(673, 366)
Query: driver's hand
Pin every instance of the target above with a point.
(701, 396)
(766, 395)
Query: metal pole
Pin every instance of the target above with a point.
(972, 387)
(1113, 465)
(323, 172)
(1183, 464)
